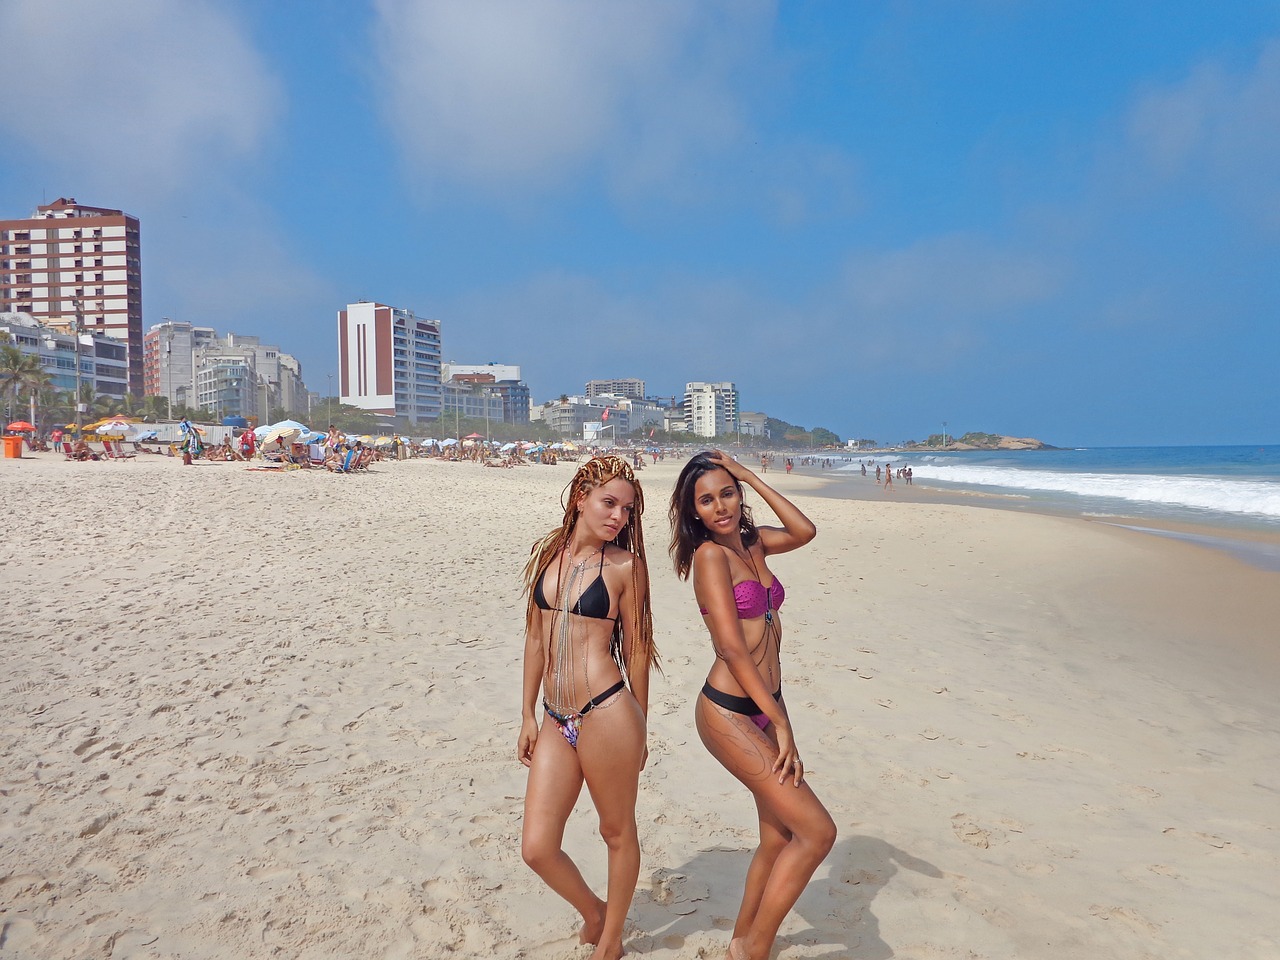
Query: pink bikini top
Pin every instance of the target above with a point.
(753, 599)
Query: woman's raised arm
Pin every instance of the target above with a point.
(797, 529)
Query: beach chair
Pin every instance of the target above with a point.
(345, 463)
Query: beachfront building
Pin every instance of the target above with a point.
(568, 416)
(168, 360)
(194, 366)
(628, 387)
(227, 383)
(753, 424)
(70, 261)
(278, 375)
(472, 395)
(389, 361)
(710, 409)
(104, 363)
(505, 383)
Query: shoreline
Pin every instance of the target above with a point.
(1257, 547)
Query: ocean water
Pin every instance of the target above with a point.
(1235, 489)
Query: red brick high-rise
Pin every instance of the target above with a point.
(67, 255)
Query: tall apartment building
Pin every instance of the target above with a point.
(232, 375)
(710, 409)
(169, 360)
(628, 387)
(68, 261)
(505, 383)
(389, 361)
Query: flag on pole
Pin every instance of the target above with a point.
(651, 429)
(604, 418)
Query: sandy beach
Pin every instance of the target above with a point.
(253, 715)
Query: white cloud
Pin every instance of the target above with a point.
(149, 94)
(510, 94)
(1217, 130)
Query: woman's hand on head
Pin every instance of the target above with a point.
(528, 740)
(731, 466)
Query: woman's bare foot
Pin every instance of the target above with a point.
(736, 950)
(593, 926)
(605, 951)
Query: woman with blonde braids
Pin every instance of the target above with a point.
(589, 650)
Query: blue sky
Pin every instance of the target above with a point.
(1050, 219)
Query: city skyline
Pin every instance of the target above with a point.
(1047, 220)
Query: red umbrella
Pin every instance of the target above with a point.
(20, 426)
(474, 436)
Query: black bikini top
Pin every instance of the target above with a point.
(593, 602)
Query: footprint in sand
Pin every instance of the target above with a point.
(979, 835)
(1130, 917)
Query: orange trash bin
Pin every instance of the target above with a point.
(13, 447)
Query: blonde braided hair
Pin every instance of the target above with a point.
(595, 473)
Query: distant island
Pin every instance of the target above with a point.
(980, 441)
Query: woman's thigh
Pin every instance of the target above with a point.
(610, 748)
(555, 780)
(748, 753)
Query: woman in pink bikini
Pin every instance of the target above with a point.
(740, 713)
(589, 650)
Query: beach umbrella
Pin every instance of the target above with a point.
(449, 443)
(506, 446)
(21, 426)
(280, 433)
(474, 436)
(114, 428)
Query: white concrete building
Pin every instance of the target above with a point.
(389, 361)
(710, 409)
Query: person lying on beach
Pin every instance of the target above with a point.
(80, 451)
(589, 650)
(740, 713)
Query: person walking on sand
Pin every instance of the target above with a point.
(740, 714)
(589, 649)
(888, 476)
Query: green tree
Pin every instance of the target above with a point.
(19, 373)
(823, 437)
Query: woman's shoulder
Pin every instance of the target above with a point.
(710, 554)
(621, 557)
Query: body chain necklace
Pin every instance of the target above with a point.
(565, 685)
(770, 629)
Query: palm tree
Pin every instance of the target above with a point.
(19, 372)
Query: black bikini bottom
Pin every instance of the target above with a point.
(743, 705)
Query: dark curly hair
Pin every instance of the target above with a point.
(687, 529)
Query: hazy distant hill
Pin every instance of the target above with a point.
(982, 441)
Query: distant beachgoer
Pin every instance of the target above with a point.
(192, 446)
(864, 468)
(909, 475)
(888, 475)
(790, 465)
(740, 714)
(589, 649)
(877, 473)
(56, 437)
(248, 444)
